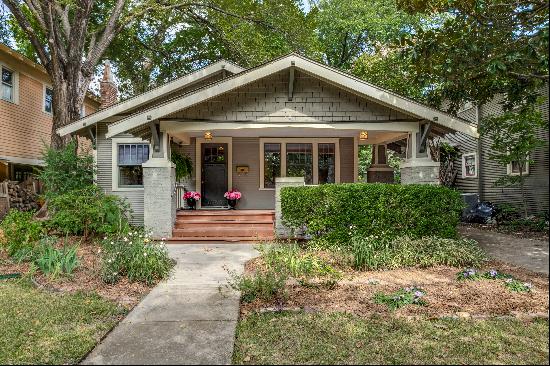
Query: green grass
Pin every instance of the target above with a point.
(38, 327)
(299, 338)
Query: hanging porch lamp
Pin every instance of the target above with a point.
(208, 135)
(363, 135)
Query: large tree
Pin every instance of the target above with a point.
(478, 49)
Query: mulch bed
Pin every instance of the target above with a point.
(445, 295)
(86, 278)
(523, 234)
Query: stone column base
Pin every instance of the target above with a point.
(420, 171)
(380, 173)
(280, 229)
(159, 200)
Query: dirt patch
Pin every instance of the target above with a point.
(444, 294)
(86, 278)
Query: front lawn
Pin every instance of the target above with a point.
(338, 338)
(40, 327)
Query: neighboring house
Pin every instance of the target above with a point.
(290, 121)
(477, 172)
(25, 114)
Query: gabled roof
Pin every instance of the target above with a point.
(323, 72)
(150, 95)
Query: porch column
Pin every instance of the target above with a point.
(159, 199)
(280, 229)
(379, 171)
(418, 167)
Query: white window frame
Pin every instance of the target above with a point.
(15, 82)
(474, 154)
(114, 164)
(511, 173)
(315, 152)
(46, 86)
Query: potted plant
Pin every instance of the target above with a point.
(192, 197)
(232, 197)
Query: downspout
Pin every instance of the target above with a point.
(479, 157)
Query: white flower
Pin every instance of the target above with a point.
(130, 233)
(104, 238)
(145, 254)
(115, 273)
(112, 242)
(130, 243)
(162, 239)
(125, 239)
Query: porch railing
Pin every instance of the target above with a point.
(180, 190)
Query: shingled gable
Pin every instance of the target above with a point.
(129, 105)
(323, 72)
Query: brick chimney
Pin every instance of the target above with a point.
(107, 87)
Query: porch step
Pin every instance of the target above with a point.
(223, 225)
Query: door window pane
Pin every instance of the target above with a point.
(327, 163)
(299, 161)
(272, 164)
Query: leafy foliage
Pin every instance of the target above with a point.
(53, 261)
(264, 285)
(184, 165)
(334, 213)
(136, 256)
(66, 170)
(375, 253)
(88, 211)
(472, 51)
(19, 234)
(400, 298)
(514, 136)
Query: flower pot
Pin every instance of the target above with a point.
(191, 202)
(232, 204)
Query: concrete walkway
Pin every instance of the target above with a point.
(523, 252)
(189, 319)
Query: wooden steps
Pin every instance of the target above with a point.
(223, 226)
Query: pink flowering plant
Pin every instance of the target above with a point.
(233, 195)
(192, 195)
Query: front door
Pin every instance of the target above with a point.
(214, 175)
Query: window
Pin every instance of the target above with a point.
(48, 99)
(130, 158)
(513, 168)
(272, 164)
(7, 85)
(327, 163)
(315, 159)
(469, 165)
(299, 161)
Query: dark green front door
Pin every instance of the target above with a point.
(214, 175)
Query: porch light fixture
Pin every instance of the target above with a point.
(363, 135)
(208, 135)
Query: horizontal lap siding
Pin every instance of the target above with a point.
(104, 175)
(536, 183)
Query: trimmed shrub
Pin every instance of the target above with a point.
(336, 212)
(375, 253)
(135, 256)
(88, 211)
(20, 232)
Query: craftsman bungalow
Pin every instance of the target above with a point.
(286, 122)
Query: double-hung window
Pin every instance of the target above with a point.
(48, 99)
(130, 158)
(514, 168)
(469, 165)
(317, 160)
(8, 78)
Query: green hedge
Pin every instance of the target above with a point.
(336, 212)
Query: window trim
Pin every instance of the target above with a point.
(464, 176)
(15, 82)
(46, 86)
(511, 173)
(114, 162)
(315, 152)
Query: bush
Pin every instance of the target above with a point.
(88, 210)
(65, 170)
(20, 234)
(267, 285)
(374, 253)
(53, 261)
(403, 297)
(135, 256)
(336, 212)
